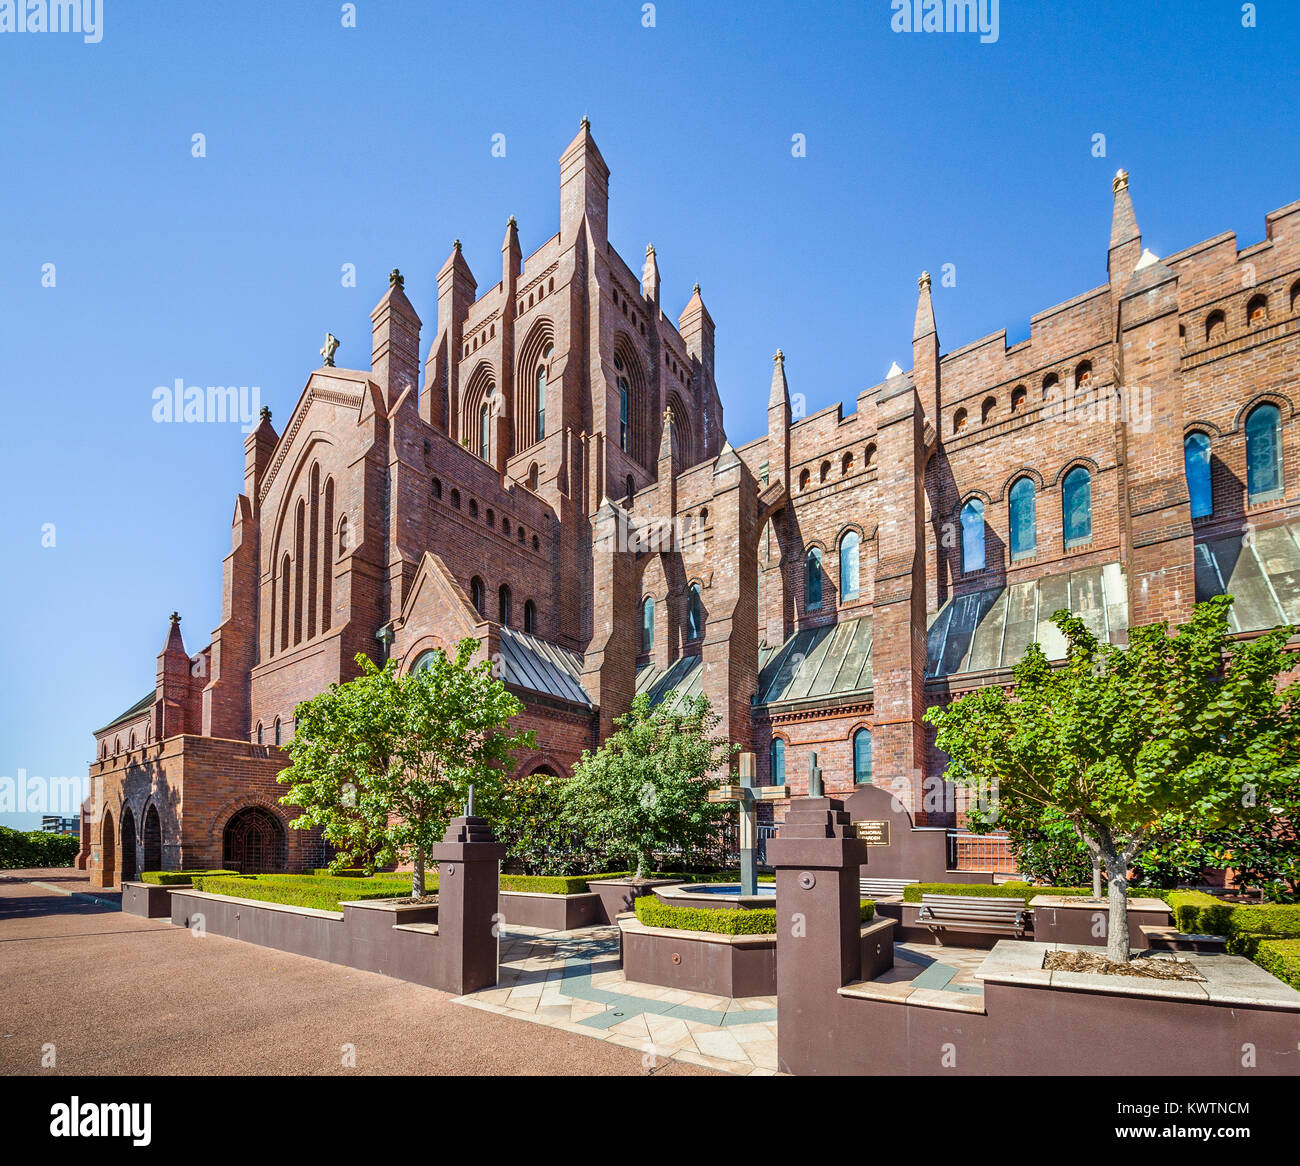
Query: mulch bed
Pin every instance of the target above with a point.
(1145, 967)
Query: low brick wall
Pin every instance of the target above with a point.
(148, 900)
(1058, 920)
(617, 896)
(699, 961)
(552, 912)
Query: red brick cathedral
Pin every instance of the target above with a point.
(560, 486)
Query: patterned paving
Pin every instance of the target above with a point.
(574, 981)
(929, 976)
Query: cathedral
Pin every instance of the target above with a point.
(559, 485)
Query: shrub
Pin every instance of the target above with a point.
(1281, 958)
(171, 878)
(546, 884)
(654, 912)
(324, 894)
(348, 872)
(1014, 890)
(36, 848)
(537, 839)
(1200, 913)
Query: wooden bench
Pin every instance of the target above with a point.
(973, 913)
(884, 888)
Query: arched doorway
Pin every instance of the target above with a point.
(152, 839)
(253, 841)
(108, 851)
(128, 843)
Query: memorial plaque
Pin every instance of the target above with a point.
(873, 833)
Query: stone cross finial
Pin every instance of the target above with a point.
(668, 415)
(512, 222)
(1121, 181)
(649, 248)
(328, 349)
(586, 122)
(455, 244)
(266, 413)
(924, 282)
(779, 357)
(396, 279)
(176, 617)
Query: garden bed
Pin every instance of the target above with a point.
(322, 893)
(1150, 968)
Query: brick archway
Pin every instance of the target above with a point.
(152, 858)
(253, 841)
(108, 851)
(129, 870)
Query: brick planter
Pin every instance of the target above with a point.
(552, 912)
(699, 961)
(618, 895)
(149, 900)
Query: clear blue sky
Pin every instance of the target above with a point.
(372, 146)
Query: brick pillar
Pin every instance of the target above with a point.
(899, 641)
(818, 926)
(469, 863)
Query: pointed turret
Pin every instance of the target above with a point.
(258, 448)
(173, 701)
(779, 396)
(650, 276)
(669, 461)
(456, 287)
(511, 256)
(584, 188)
(1125, 238)
(395, 342)
(696, 328)
(925, 351)
(778, 423)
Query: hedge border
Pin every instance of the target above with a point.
(654, 912)
(169, 878)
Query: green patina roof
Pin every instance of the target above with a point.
(683, 678)
(134, 713)
(818, 663)
(991, 629)
(1262, 575)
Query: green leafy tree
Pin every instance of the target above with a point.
(1172, 734)
(382, 762)
(538, 838)
(647, 787)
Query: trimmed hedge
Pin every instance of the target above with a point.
(1280, 958)
(1201, 913)
(324, 894)
(546, 884)
(21, 849)
(348, 872)
(913, 892)
(171, 878)
(652, 911)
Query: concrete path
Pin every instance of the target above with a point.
(115, 994)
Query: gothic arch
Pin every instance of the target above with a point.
(539, 340)
(1023, 472)
(1080, 460)
(481, 384)
(1281, 400)
(639, 405)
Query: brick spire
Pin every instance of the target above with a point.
(780, 393)
(1125, 238)
(924, 325)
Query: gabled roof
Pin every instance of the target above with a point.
(825, 662)
(1263, 576)
(134, 713)
(991, 629)
(528, 662)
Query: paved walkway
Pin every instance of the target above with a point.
(573, 980)
(115, 994)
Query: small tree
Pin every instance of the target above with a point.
(382, 762)
(647, 787)
(1131, 745)
(538, 839)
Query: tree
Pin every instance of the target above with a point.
(382, 762)
(1172, 734)
(647, 787)
(539, 841)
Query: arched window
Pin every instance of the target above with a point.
(455, 499)
(437, 487)
(1196, 465)
(959, 421)
(490, 517)
(986, 410)
(1216, 326)
(1018, 395)
(972, 536)
(803, 480)
(485, 429)
(1264, 453)
(778, 761)
(503, 604)
(695, 614)
(647, 623)
(630, 487)
(530, 617)
(1024, 519)
(624, 428)
(849, 581)
(541, 399)
(813, 579)
(424, 661)
(259, 732)
(1076, 507)
(862, 757)
(1257, 310)
(534, 475)
(478, 594)
(277, 731)
(869, 458)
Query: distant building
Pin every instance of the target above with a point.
(53, 824)
(561, 488)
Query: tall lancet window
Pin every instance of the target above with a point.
(485, 430)
(1264, 453)
(849, 578)
(813, 580)
(541, 401)
(1196, 464)
(972, 536)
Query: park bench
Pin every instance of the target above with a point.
(973, 913)
(884, 888)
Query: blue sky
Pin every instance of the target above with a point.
(371, 145)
